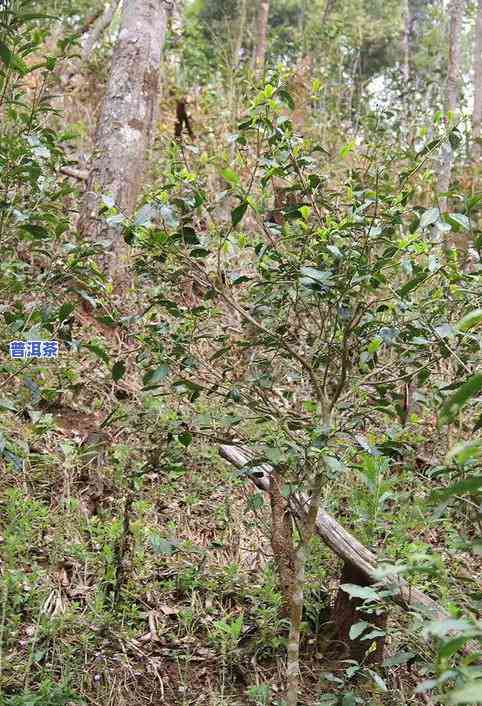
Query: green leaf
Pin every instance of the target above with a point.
(5, 54)
(463, 394)
(469, 485)
(399, 658)
(365, 592)
(445, 330)
(373, 634)
(459, 220)
(38, 232)
(321, 276)
(378, 680)
(6, 404)
(255, 501)
(429, 217)
(286, 98)
(199, 252)
(374, 345)
(185, 438)
(357, 629)
(238, 213)
(274, 455)
(428, 148)
(441, 628)
(473, 318)
(452, 646)
(65, 311)
(108, 200)
(412, 284)
(472, 202)
(465, 450)
(346, 149)
(469, 694)
(230, 176)
(154, 376)
(144, 215)
(162, 546)
(19, 64)
(455, 138)
(191, 387)
(99, 351)
(118, 370)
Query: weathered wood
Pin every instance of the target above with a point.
(347, 611)
(340, 541)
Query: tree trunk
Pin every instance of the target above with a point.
(406, 43)
(346, 613)
(294, 638)
(261, 45)
(477, 63)
(239, 37)
(451, 99)
(282, 542)
(126, 126)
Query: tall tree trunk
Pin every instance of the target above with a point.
(239, 37)
(237, 47)
(456, 8)
(261, 44)
(406, 43)
(477, 112)
(126, 126)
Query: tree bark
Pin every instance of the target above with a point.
(262, 42)
(294, 637)
(406, 43)
(307, 527)
(451, 97)
(282, 543)
(477, 63)
(346, 613)
(239, 37)
(126, 126)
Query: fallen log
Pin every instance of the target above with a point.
(340, 541)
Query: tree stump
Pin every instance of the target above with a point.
(346, 613)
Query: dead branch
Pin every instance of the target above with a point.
(98, 28)
(80, 174)
(341, 542)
